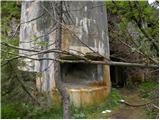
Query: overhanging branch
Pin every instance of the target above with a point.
(84, 59)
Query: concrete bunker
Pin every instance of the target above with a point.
(86, 83)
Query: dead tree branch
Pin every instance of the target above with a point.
(134, 105)
(82, 58)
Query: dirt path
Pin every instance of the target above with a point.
(128, 112)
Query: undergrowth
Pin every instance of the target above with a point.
(150, 90)
(21, 109)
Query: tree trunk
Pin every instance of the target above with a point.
(58, 79)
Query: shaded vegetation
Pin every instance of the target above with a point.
(150, 90)
(23, 109)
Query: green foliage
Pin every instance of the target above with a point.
(21, 110)
(41, 43)
(43, 113)
(9, 9)
(143, 17)
(150, 90)
(79, 114)
(13, 110)
(148, 86)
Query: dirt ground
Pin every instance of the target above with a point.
(128, 112)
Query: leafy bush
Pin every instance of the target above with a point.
(147, 88)
(27, 110)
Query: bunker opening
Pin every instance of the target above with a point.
(81, 74)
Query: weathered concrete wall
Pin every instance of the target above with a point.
(89, 21)
(32, 35)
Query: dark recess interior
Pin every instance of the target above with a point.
(118, 75)
(80, 73)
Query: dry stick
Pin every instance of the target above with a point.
(93, 62)
(133, 105)
(139, 52)
(133, 64)
(12, 46)
(50, 31)
(155, 106)
(23, 85)
(45, 51)
(24, 23)
(38, 36)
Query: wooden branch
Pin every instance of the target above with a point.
(44, 51)
(133, 64)
(134, 105)
(50, 31)
(155, 106)
(15, 47)
(18, 26)
(112, 63)
(89, 61)
(156, 62)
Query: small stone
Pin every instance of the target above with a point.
(122, 100)
(106, 111)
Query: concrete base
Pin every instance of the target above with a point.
(91, 94)
(87, 96)
(84, 96)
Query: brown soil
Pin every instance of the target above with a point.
(128, 112)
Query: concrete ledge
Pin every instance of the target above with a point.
(88, 95)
